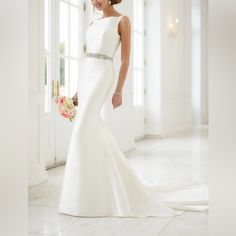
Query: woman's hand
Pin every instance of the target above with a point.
(116, 100)
(75, 99)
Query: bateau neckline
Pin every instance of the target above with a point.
(108, 17)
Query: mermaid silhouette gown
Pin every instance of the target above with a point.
(98, 179)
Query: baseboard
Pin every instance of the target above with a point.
(38, 179)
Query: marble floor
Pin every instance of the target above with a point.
(182, 158)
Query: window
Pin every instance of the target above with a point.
(63, 44)
(196, 60)
(69, 50)
(138, 52)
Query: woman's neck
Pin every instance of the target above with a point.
(109, 11)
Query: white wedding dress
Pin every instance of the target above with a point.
(98, 179)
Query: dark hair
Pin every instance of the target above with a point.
(113, 2)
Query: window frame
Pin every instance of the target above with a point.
(53, 52)
(139, 30)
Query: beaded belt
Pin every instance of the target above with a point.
(98, 55)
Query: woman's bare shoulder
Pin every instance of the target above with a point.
(125, 19)
(125, 22)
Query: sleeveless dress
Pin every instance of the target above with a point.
(98, 179)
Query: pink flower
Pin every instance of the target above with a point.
(65, 115)
(61, 100)
(66, 107)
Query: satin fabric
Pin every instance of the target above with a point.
(98, 179)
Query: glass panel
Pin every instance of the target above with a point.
(135, 51)
(138, 50)
(138, 88)
(74, 30)
(46, 70)
(64, 30)
(47, 86)
(135, 89)
(78, 3)
(81, 35)
(64, 74)
(74, 64)
(46, 25)
(135, 16)
(138, 15)
(62, 48)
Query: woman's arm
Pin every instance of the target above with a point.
(125, 34)
(75, 99)
(124, 29)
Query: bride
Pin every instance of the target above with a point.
(98, 179)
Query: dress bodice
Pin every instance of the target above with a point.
(102, 36)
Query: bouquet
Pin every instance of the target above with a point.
(66, 107)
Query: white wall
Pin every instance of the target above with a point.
(222, 135)
(175, 74)
(13, 117)
(168, 66)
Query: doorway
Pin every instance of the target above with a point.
(63, 51)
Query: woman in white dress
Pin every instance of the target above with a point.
(98, 179)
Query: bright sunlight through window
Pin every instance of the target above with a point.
(138, 53)
(63, 46)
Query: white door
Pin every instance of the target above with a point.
(64, 49)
